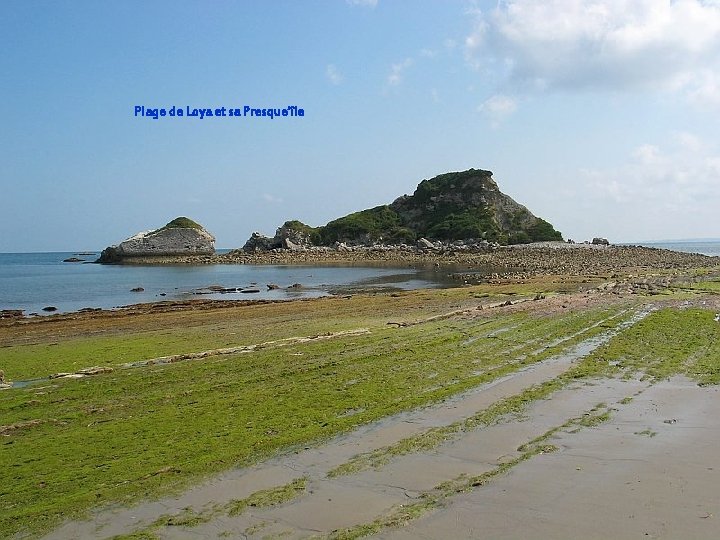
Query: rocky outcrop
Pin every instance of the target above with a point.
(292, 235)
(259, 242)
(180, 237)
(469, 204)
(465, 207)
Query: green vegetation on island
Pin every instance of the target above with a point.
(455, 206)
(181, 222)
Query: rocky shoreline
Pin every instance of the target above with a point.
(530, 259)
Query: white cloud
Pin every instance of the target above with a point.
(397, 71)
(703, 89)
(333, 75)
(684, 178)
(618, 44)
(272, 199)
(366, 3)
(660, 191)
(497, 108)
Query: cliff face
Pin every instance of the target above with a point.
(450, 207)
(182, 236)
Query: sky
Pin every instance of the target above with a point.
(600, 116)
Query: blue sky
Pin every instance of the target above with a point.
(599, 115)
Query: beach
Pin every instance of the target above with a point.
(382, 413)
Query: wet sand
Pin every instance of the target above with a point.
(611, 481)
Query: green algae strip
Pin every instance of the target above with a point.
(190, 517)
(34, 350)
(666, 343)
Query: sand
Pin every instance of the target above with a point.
(611, 481)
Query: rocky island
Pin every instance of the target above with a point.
(464, 208)
(180, 237)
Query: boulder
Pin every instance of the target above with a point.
(600, 241)
(292, 246)
(424, 243)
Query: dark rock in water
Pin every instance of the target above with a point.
(49, 308)
(272, 286)
(11, 313)
(295, 286)
(137, 289)
(182, 236)
(249, 291)
(600, 241)
(73, 260)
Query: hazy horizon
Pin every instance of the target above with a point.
(599, 116)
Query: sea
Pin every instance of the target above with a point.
(704, 247)
(33, 281)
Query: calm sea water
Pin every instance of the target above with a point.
(705, 247)
(31, 281)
